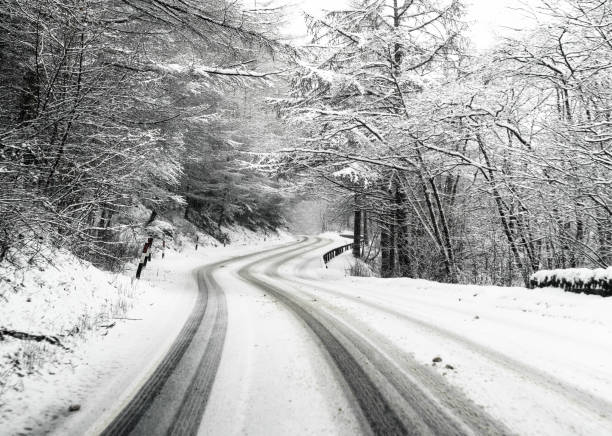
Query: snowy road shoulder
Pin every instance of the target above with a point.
(102, 370)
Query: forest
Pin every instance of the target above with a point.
(112, 105)
(455, 164)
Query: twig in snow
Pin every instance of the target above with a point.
(53, 340)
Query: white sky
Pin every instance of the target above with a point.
(492, 18)
(487, 18)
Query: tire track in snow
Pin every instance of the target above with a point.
(390, 401)
(188, 417)
(569, 392)
(582, 398)
(209, 313)
(416, 383)
(380, 416)
(127, 420)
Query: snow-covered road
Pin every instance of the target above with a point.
(538, 361)
(277, 344)
(394, 395)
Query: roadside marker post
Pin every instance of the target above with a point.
(150, 242)
(145, 256)
(139, 270)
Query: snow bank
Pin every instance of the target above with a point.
(68, 300)
(180, 234)
(63, 298)
(580, 280)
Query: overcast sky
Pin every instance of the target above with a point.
(487, 17)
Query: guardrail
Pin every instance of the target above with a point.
(336, 251)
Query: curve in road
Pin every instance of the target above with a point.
(208, 319)
(578, 396)
(390, 402)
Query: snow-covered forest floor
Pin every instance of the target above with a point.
(111, 327)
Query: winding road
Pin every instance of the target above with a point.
(250, 314)
(173, 398)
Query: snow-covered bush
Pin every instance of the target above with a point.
(589, 281)
(359, 269)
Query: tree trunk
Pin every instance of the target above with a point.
(448, 248)
(403, 252)
(357, 233)
(385, 251)
(502, 208)
(604, 229)
(364, 218)
(392, 246)
(437, 234)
